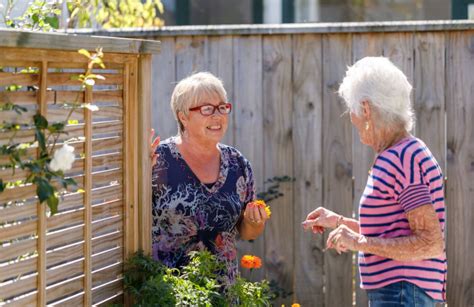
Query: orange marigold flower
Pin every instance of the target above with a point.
(295, 305)
(251, 262)
(261, 203)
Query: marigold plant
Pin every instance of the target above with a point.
(251, 262)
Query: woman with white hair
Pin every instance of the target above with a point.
(202, 190)
(400, 231)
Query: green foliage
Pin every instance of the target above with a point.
(144, 280)
(115, 13)
(196, 284)
(249, 294)
(43, 15)
(40, 15)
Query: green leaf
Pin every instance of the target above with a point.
(35, 18)
(52, 21)
(77, 77)
(40, 121)
(41, 140)
(70, 181)
(53, 202)
(19, 109)
(44, 189)
(56, 127)
(2, 185)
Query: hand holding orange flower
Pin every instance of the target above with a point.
(260, 203)
(251, 262)
(257, 212)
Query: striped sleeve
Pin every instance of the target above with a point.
(414, 196)
(415, 190)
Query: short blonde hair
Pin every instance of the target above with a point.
(192, 90)
(378, 81)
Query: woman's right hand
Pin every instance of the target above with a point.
(321, 218)
(154, 144)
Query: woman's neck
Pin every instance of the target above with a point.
(388, 138)
(203, 149)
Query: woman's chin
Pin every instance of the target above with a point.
(215, 135)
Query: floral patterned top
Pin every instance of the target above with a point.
(189, 215)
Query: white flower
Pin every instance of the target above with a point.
(63, 159)
(91, 107)
(90, 82)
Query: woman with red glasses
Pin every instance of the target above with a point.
(202, 188)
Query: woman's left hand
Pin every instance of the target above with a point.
(343, 239)
(154, 144)
(255, 215)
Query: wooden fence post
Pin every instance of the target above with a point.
(144, 160)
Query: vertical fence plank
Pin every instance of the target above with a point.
(278, 161)
(164, 78)
(219, 61)
(460, 185)
(337, 172)
(144, 161)
(362, 155)
(41, 209)
(307, 155)
(430, 93)
(190, 55)
(248, 119)
(87, 200)
(398, 47)
(131, 235)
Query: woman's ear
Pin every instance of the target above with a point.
(182, 118)
(366, 111)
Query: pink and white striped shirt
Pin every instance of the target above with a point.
(404, 177)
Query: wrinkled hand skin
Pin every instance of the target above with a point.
(425, 242)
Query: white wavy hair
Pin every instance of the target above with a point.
(384, 86)
(191, 91)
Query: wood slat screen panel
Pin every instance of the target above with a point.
(77, 255)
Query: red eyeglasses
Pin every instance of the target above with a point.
(209, 109)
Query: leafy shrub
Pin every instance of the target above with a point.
(150, 283)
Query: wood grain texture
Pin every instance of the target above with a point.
(219, 61)
(143, 117)
(460, 159)
(337, 168)
(248, 119)
(190, 55)
(398, 47)
(61, 41)
(429, 82)
(87, 199)
(308, 163)
(41, 213)
(289, 28)
(362, 155)
(164, 81)
(278, 156)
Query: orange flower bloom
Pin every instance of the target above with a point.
(251, 262)
(295, 305)
(261, 203)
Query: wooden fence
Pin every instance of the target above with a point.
(76, 256)
(288, 120)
